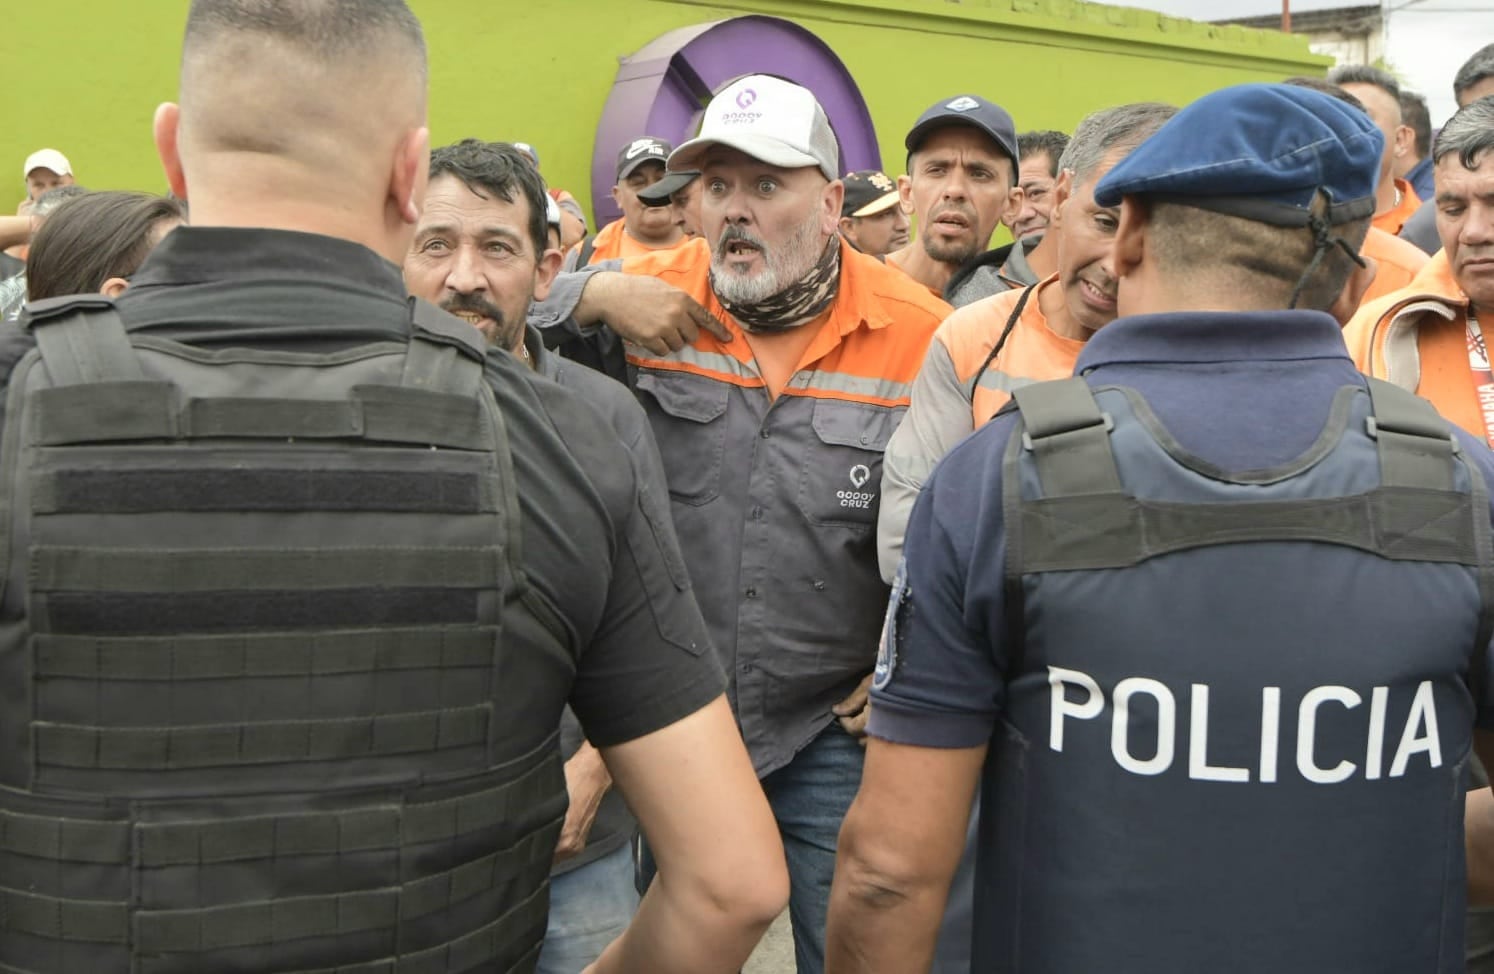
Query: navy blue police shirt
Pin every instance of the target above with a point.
(1132, 822)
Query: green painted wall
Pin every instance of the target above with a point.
(86, 75)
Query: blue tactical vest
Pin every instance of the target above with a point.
(250, 645)
(1239, 704)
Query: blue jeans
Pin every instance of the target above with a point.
(810, 797)
(589, 908)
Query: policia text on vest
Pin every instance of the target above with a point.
(1077, 698)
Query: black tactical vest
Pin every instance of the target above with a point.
(1239, 704)
(250, 639)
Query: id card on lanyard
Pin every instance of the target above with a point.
(1483, 375)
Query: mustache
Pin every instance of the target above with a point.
(732, 232)
(473, 304)
(964, 210)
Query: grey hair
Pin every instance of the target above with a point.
(1469, 133)
(1111, 129)
(55, 197)
(1364, 74)
(1474, 70)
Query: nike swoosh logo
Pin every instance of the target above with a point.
(637, 149)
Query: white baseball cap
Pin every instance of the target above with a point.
(47, 159)
(769, 119)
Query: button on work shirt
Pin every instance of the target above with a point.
(775, 499)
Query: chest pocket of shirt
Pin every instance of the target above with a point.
(841, 484)
(690, 431)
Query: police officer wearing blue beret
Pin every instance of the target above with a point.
(1208, 623)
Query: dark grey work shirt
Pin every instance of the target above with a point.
(597, 549)
(1421, 228)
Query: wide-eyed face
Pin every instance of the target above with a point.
(957, 186)
(649, 224)
(1086, 248)
(767, 226)
(473, 255)
(1030, 209)
(1465, 222)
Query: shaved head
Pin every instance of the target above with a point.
(293, 77)
(312, 101)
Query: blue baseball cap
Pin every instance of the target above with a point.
(971, 111)
(1258, 151)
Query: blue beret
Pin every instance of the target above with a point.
(1259, 151)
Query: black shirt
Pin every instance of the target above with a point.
(596, 552)
(613, 827)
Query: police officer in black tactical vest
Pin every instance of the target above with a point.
(1213, 615)
(298, 579)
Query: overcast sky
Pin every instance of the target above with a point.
(1428, 39)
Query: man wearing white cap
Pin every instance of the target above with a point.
(44, 169)
(772, 445)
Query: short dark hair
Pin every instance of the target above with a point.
(1414, 115)
(1232, 251)
(1474, 70)
(1049, 142)
(1326, 88)
(1468, 134)
(499, 169)
(1363, 74)
(92, 238)
(328, 29)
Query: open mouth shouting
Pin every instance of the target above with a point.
(739, 250)
(477, 312)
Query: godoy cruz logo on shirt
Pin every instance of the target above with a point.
(1396, 734)
(857, 500)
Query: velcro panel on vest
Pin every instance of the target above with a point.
(126, 592)
(434, 917)
(85, 490)
(1117, 531)
(127, 411)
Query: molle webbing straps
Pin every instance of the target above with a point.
(1416, 445)
(1069, 437)
(263, 719)
(1084, 520)
(83, 340)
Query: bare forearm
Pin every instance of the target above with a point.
(1478, 839)
(676, 931)
(874, 929)
(594, 298)
(14, 230)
